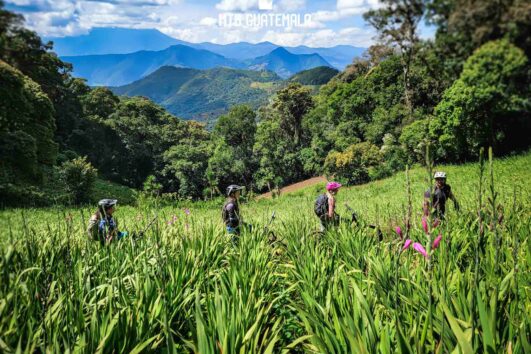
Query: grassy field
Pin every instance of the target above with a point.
(185, 288)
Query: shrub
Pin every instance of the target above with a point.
(355, 165)
(152, 187)
(487, 106)
(79, 177)
(413, 140)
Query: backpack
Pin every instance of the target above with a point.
(92, 229)
(321, 205)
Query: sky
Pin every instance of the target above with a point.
(323, 23)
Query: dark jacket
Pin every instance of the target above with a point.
(439, 198)
(231, 214)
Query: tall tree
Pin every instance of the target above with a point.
(292, 103)
(232, 160)
(487, 106)
(396, 22)
(464, 25)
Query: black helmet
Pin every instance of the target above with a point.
(233, 188)
(107, 203)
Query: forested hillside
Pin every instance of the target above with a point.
(203, 95)
(467, 88)
(320, 75)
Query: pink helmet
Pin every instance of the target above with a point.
(331, 186)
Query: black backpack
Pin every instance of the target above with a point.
(321, 205)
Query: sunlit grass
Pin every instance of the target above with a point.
(184, 286)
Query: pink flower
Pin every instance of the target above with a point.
(436, 222)
(425, 224)
(398, 231)
(187, 211)
(406, 244)
(173, 220)
(418, 247)
(437, 241)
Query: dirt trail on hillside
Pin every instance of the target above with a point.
(296, 186)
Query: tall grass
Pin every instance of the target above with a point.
(185, 287)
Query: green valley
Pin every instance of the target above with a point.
(203, 95)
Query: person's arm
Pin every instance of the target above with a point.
(331, 208)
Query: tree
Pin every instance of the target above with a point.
(26, 128)
(292, 103)
(487, 106)
(463, 26)
(146, 132)
(355, 165)
(277, 156)
(414, 139)
(79, 177)
(185, 168)
(396, 23)
(232, 160)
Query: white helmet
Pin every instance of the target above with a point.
(440, 175)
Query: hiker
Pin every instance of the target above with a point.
(102, 226)
(231, 211)
(325, 206)
(441, 193)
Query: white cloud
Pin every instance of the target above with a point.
(195, 22)
(322, 38)
(247, 5)
(237, 5)
(349, 4)
(208, 21)
(289, 5)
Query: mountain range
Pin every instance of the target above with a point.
(117, 56)
(121, 69)
(115, 40)
(284, 63)
(203, 94)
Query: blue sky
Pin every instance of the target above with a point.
(333, 22)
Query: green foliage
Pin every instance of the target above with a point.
(184, 286)
(232, 160)
(414, 138)
(292, 103)
(487, 106)
(317, 76)
(185, 168)
(203, 95)
(356, 165)
(27, 149)
(152, 187)
(463, 26)
(103, 189)
(79, 176)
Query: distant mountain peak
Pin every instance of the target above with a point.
(280, 51)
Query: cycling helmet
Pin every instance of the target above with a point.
(107, 203)
(440, 175)
(233, 188)
(332, 186)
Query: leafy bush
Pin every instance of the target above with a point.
(413, 140)
(152, 187)
(79, 177)
(355, 165)
(487, 106)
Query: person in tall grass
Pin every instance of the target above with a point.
(102, 226)
(441, 193)
(325, 206)
(231, 210)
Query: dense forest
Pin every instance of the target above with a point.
(466, 88)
